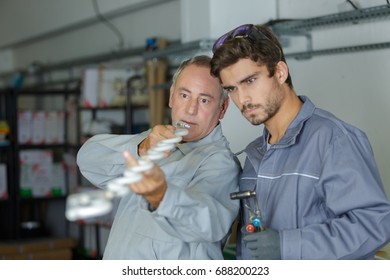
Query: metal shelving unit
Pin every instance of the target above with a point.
(32, 208)
(354, 17)
(304, 27)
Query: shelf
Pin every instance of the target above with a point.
(181, 48)
(42, 198)
(21, 205)
(354, 17)
(50, 92)
(303, 27)
(349, 49)
(42, 146)
(144, 106)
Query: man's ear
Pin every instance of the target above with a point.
(281, 72)
(224, 107)
(171, 90)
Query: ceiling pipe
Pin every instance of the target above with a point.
(84, 23)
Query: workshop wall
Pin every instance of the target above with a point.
(67, 30)
(353, 86)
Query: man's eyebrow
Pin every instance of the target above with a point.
(244, 80)
(207, 95)
(203, 94)
(184, 89)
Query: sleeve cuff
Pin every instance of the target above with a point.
(135, 141)
(291, 245)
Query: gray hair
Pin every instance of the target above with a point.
(201, 61)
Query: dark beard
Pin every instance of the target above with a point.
(270, 108)
(269, 111)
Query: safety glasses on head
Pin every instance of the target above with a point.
(243, 31)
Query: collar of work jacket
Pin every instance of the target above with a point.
(292, 131)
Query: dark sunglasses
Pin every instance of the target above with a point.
(244, 31)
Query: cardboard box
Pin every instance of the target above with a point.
(54, 127)
(35, 156)
(38, 127)
(58, 182)
(36, 172)
(103, 87)
(42, 179)
(112, 85)
(51, 134)
(25, 127)
(89, 96)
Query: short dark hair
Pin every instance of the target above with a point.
(263, 52)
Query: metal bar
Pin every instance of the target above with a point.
(94, 59)
(349, 49)
(50, 92)
(176, 48)
(173, 48)
(84, 23)
(355, 16)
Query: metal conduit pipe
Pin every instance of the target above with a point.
(84, 23)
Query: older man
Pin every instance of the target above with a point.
(181, 209)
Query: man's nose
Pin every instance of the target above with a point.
(243, 97)
(192, 107)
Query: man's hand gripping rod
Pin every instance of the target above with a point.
(99, 202)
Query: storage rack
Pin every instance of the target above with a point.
(15, 199)
(303, 27)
